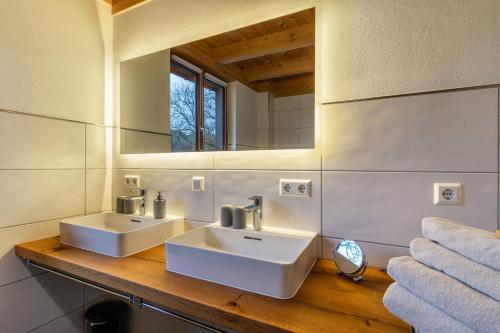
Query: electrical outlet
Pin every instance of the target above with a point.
(448, 194)
(132, 181)
(295, 188)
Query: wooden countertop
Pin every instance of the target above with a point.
(326, 301)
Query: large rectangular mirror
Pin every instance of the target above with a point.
(246, 89)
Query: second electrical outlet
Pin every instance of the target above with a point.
(295, 188)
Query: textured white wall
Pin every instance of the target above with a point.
(388, 47)
(51, 61)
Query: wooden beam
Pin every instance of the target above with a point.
(200, 54)
(277, 42)
(299, 85)
(118, 6)
(279, 69)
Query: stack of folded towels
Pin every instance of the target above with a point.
(452, 282)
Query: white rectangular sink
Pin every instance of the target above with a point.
(272, 262)
(118, 235)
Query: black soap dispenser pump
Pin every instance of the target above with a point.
(159, 206)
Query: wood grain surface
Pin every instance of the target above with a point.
(326, 301)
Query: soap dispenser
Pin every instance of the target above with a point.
(159, 206)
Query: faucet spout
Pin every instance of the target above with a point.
(141, 196)
(256, 209)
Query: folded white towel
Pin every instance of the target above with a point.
(420, 314)
(479, 245)
(473, 274)
(474, 309)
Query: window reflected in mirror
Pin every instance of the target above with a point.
(183, 108)
(214, 116)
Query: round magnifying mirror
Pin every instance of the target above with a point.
(350, 259)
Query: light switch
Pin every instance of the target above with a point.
(198, 184)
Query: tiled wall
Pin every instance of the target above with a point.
(380, 159)
(294, 122)
(50, 169)
(53, 159)
(375, 160)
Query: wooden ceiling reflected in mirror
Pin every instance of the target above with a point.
(275, 56)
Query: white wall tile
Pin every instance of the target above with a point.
(263, 101)
(306, 118)
(12, 268)
(176, 186)
(288, 103)
(28, 142)
(98, 190)
(377, 255)
(286, 139)
(262, 119)
(454, 131)
(95, 143)
(306, 101)
(306, 138)
(286, 120)
(263, 139)
(388, 207)
(268, 160)
(30, 303)
(72, 322)
(39, 195)
(235, 187)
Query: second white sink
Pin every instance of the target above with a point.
(118, 235)
(272, 262)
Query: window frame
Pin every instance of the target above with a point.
(214, 81)
(201, 75)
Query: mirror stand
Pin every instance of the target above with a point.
(350, 259)
(355, 277)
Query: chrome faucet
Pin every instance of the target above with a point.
(256, 209)
(141, 196)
